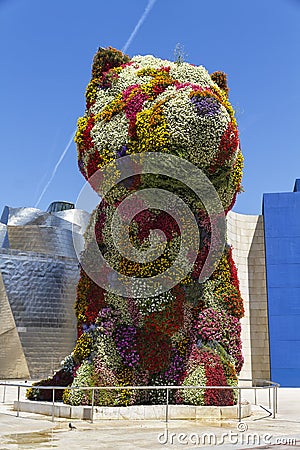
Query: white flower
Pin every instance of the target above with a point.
(110, 135)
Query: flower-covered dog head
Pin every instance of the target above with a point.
(146, 104)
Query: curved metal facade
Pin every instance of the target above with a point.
(39, 272)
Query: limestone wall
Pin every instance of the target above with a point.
(246, 235)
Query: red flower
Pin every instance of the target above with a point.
(215, 376)
(169, 320)
(228, 145)
(233, 270)
(95, 298)
(154, 348)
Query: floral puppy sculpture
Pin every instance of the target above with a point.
(188, 334)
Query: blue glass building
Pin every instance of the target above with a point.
(282, 245)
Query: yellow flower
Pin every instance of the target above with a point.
(152, 131)
(91, 90)
(237, 173)
(83, 347)
(114, 107)
(81, 126)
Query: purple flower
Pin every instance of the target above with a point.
(122, 151)
(108, 320)
(174, 372)
(206, 106)
(125, 338)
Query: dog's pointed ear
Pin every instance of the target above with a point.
(107, 58)
(220, 78)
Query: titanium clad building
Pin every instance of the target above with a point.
(39, 272)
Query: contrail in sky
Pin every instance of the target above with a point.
(139, 24)
(55, 170)
(148, 8)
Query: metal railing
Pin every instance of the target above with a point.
(257, 385)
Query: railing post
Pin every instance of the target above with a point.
(167, 406)
(18, 407)
(53, 400)
(92, 410)
(274, 402)
(255, 398)
(239, 404)
(4, 392)
(269, 397)
(276, 399)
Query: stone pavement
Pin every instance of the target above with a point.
(37, 432)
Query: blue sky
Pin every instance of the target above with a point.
(46, 54)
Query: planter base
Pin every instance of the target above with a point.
(135, 412)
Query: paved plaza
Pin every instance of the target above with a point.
(35, 431)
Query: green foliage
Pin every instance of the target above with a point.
(220, 78)
(179, 55)
(107, 58)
